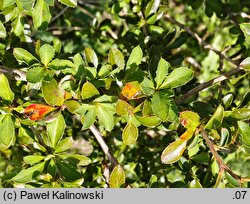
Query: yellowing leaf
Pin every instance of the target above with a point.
(37, 111)
(132, 90)
(130, 133)
(122, 108)
(173, 152)
(117, 177)
(89, 90)
(189, 119)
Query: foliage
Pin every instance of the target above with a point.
(135, 70)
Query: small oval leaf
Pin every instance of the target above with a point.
(130, 133)
(89, 91)
(117, 177)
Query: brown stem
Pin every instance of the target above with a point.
(199, 39)
(222, 165)
(205, 85)
(103, 145)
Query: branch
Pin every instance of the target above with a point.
(222, 165)
(103, 145)
(199, 39)
(205, 85)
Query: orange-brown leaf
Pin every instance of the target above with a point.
(37, 111)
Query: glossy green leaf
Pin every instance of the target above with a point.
(123, 108)
(81, 160)
(27, 175)
(130, 133)
(41, 15)
(161, 72)
(5, 92)
(117, 177)
(51, 93)
(105, 117)
(149, 121)
(89, 118)
(27, 4)
(147, 86)
(232, 181)
(160, 105)
(70, 3)
(55, 130)
(244, 130)
(68, 171)
(33, 159)
(89, 91)
(64, 144)
(115, 57)
(189, 119)
(2, 30)
(57, 45)
(152, 7)
(91, 56)
(173, 152)
(35, 74)
(7, 132)
(178, 77)
(245, 27)
(227, 100)
(245, 64)
(216, 119)
(135, 57)
(23, 56)
(47, 53)
(59, 64)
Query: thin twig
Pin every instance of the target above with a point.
(199, 39)
(222, 165)
(103, 145)
(59, 14)
(207, 84)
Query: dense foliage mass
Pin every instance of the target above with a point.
(134, 93)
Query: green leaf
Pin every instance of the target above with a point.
(72, 105)
(27, 4)
(189, 119)
(46, 53)
(51, 93)
(135, 57)
(2, 30)
(55, 130)
(227, 100)
(245, 27)
(162, 71)
(35, 74)
(149, 121)
(52, 169)
(59, 64)
(152, 7)
(147, 86)
(178, 77)
(117, 177)
(68, 171)
(18, 25)
(245, 64)
(105, 117)
(7, 132)
(41, 15)
(216, 119)
(244, 130)
(70, 3)
(7, 3)
(91, 56)
(173, 152)
(81, 160)
(123, 108)
(115, 57)
(33, 159)
(64, 144)
(23, 56)
(89, 91)
(89, 118)
(240, 114)
(130, 133)
(160, 105)
(27, 175)
(5, 92)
